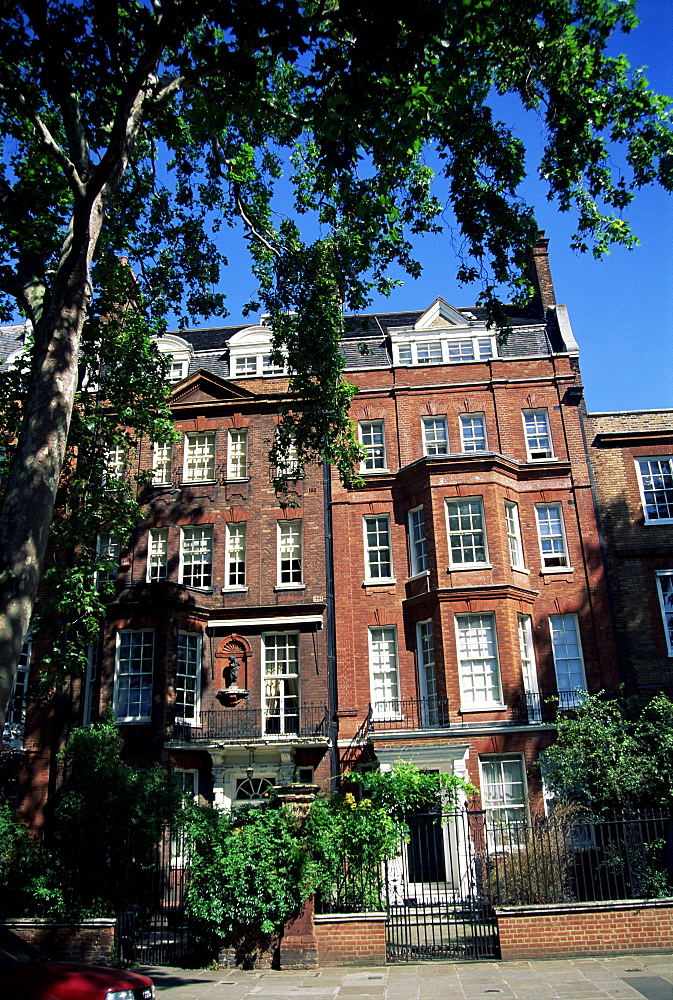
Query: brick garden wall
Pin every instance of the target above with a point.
(565, 929)
(351, 938)
(90, 942)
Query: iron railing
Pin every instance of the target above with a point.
(410, 713)
(308, 721)
(579, 858)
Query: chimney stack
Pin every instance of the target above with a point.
(539, 274)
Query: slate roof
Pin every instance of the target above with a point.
(11, 339)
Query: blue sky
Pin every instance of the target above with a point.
(621, 307)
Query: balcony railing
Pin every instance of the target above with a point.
(307, 722)
(410, 713)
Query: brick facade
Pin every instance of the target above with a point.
(91, 942)
(638, 549)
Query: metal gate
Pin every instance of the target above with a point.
(437, 898)
(158, 932)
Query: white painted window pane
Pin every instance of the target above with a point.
(236, 540)
(665, 586)
(133, 681)
(426, 671)
(237, 454)
(115, 463)
(200, 457)
(429, 353)
(163, 463)
(504, 796)
(289, 552)
(435, 435)
(246, 365)
(372, 439)
(384, 671)
(478, 659)
(467, 539)
(568, 660)
(514, 535)
(157, 556)
(404, 354)
(461, 350)
(473, 431)
(197, 556)
(377, 536)
(656, 476)
(188, 677)
(281, 684)
(108, 548)
(552, 538)
(418, 544)
(538, 438)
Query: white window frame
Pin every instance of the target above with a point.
(445, 349)
(237, 453)
(418, 542)
(290, 467)
(427, 673)
(189, 658)
(665, 592)
(290, 548)
(177, 369)
(377, 542)
(16, 708)
(162, 463)
(569, 697)
(114, 469)
(384, 672)
(157, 555)
(189, 533)
(467, 509)
(376, 452)
(662, 495)
(514, 542)
(245, 365)
(90, 678)
(477, 650)
(468, 421)
(199, 460)
(145, 676)
(554, 559)
(108, 546)
(432, 443)
(529, 668)
(281, 685)
(235, 555)
(536, 434)
(504, 809)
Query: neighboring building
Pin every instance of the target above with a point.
(467, 587)
(631, 455)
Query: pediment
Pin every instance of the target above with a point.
(439, 316)
(202, 386)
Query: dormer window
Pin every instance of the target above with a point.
(250, 354)
(446, 350)
(178, 353)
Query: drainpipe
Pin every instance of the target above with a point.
(331, 622)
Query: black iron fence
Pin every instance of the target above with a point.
(308, 721)
(578, 858)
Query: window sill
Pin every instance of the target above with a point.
(290, 586)
(497, 707)
(198, 482)
(520, 569)
(237, 479)
(374, 472)
(133, 721)
(468, 566)
(381, 581)
(234, 590)
(547, 458)
(556, 569)
(418, 576)
(199, 590)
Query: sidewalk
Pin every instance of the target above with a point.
(629, 977)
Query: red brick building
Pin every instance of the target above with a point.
(631, 455)
(424, 616)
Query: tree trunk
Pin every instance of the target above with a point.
(28, 505)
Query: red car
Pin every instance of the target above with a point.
(25, 974)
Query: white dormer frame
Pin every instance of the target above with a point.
(250, 354)
(180, 352)
(443, 336)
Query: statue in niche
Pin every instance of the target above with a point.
(232, 670)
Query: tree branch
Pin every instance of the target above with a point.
(48, 141)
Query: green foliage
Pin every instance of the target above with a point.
(255, 868)
(21, 866)
(107, 821)
(613, 753)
